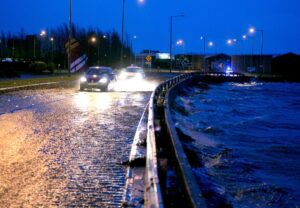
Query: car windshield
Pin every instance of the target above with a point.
(134, 69)
(98, 71)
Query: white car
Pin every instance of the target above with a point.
(132, 72)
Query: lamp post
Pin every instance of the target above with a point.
(70, 38)
(252, 30)
(123, 29)
(244, 37)
(43, 34)
(52, 42)
(134, 38)
(122, 36)
(1, 48)
(34, 43)
(171, 38)
(204, 44)
(96, 40)
(180, 43)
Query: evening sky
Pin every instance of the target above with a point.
(217, 20)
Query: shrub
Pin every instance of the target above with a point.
(38, 67)
(51, 67)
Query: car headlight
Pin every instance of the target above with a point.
(103, 80)
(139, 76)
(83, 79)
(123, 75)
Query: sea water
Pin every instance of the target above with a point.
(247, 137)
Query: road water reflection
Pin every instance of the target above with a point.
(63, 147)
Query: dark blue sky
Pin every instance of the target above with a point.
(217, 20)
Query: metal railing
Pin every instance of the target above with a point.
(153, 194)
(160, 100)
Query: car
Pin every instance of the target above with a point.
(98, 77)
(132, 72)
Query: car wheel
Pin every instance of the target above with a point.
(81, 88)
(104, 89)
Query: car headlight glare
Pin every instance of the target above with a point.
(123, 75)
(83, 79)
(103, 80)
(139, 76)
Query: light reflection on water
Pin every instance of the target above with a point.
(256, 131)
(99, 101)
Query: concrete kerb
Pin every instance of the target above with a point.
(133, 195)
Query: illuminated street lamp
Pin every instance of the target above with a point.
(204, 44)
(134, 38)
(52, 42)
(43, 34)
(252, 30)
(70, 38)
(210, 44)
(229, 42)
(96, 40)
(180, 43)
(123, 28)
(171, 38)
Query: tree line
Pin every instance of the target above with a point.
(49, 46)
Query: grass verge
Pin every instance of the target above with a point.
(24, 82)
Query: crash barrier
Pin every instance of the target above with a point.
(161, 96)
(153, 194)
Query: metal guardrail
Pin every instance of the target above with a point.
(160, 96)
(153, 194)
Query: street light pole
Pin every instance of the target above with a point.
(171, 38)
(70, 37)
(52, 42)
(204, 44)
(252, 31)
(98, 48)
(261, 49)
(122, 37)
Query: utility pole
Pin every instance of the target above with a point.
(70, 38)
(171, 38)
(123, 25)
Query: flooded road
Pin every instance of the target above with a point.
(63, 147)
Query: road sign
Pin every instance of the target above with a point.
(148, 58)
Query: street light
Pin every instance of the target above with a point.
(204, 44)
(171, 37)
(180, 43)
(43, 34)
(70, 38)
(252, 30)
(52, 42)
(123, 28)
(134, 38)
(96, 40)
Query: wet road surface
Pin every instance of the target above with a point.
(65, 148)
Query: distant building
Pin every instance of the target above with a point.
(217, 63)
(189, 61)
(252, 63)
(287, 65)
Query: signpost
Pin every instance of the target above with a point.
(148, 61)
